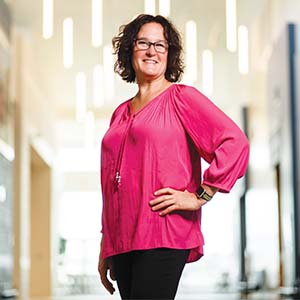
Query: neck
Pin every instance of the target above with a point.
(149, 88)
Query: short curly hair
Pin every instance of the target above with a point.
(123, 47)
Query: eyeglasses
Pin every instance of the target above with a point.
(159, 46)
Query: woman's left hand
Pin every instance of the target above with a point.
(169, 200)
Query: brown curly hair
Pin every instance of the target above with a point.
(123, 47)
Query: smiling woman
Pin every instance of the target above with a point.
(147, 62)
(150, 165)
(123, 46)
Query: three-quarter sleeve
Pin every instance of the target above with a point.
(217, 138)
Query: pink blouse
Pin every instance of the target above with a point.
(161, 146)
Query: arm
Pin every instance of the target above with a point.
(217, 139)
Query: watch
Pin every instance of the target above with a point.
(202, 194)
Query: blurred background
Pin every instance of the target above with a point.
(57, 93)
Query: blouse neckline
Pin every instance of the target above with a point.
(130, 106)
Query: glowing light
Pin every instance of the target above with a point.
(97, 23)
(164, 8)
(243, 52)
(47, 19)
(149, 7)
(231, 25)
(68, 42)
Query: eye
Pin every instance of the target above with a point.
(160, 45)
(142, 43)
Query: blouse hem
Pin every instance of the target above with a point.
(195, 256)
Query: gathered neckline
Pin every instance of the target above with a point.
(130, 106)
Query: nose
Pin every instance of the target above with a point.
(151, 50)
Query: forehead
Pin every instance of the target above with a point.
(151, 31)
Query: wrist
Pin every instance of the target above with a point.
(199, 202)
(202, 194)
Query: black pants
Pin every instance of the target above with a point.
(149, 274)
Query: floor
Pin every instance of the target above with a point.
(186, 296)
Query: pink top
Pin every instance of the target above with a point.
(160, 146)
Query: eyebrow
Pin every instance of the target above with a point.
(144, 38)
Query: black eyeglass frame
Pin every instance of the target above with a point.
(149, 44)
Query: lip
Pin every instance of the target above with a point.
(151, 61)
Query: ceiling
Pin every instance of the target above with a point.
(59, 83)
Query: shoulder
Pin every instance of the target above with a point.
(120, 109)
(186, 94)
(122, 106)
(186, 88)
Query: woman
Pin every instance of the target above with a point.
(150, 165)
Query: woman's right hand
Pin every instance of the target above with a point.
(103, 266)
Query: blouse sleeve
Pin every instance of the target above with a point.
(217, 138)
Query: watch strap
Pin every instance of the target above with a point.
(202, 194)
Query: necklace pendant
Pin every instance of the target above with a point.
(118, 177)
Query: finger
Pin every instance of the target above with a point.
(163, 205)
(166, 190)
(168, 210)
(111, 270)
(112, 274)
(103, 269)
(108, 285)
(160, 199)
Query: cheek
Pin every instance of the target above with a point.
(135, 58)
(134, 61)
(165, 62)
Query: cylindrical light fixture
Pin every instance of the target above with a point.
(47, 19)
(97, 23)
(68, 42)
(243, 51)
(231, 25)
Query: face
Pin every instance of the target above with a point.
(150, 64)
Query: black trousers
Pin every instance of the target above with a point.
(149, 274)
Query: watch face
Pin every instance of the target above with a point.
(201, 193)
(206, 196)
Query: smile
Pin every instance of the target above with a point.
(151, 61)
